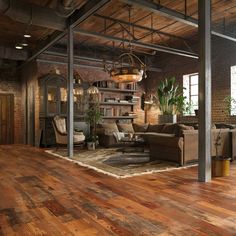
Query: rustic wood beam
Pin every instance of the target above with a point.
(204, 119)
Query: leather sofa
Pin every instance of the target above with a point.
(171, 142)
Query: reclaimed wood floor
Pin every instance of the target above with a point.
(44, 195)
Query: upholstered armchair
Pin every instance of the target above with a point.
(59, 125)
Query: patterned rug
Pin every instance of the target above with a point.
(115, 163)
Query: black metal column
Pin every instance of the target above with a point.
(204, 142)
(70, 97)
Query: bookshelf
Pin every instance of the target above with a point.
(117, 100)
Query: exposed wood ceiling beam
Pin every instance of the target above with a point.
(75, 19)
(138, 44)
(172, 14)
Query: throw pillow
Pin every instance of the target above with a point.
(126, 127)
(182, 128)
(119, 136)
(140, 128)
(155, 128)
(169, 128)
(109, 128)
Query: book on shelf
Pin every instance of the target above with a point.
(124, 101)
(132, 98)
(131, 113)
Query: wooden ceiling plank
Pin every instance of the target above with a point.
(170, 13)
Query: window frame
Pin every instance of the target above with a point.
(190, 95)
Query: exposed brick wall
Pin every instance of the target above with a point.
(223, 57)
(10, 84)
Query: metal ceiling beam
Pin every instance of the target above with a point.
(91, 59)
(138, 44)
(172, 14)
(75, 19)
(138, 26)
(88, 9)
(76, 64)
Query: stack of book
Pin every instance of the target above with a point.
(134, 99)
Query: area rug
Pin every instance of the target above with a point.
(115, 163)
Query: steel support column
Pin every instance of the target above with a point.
(70, 97)
(204, 119)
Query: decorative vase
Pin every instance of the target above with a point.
(91, 145)
(167, 119)
(220, 166)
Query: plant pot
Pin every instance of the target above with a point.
(220, 166)
(196, 112)
(167, 119)
(91, 145)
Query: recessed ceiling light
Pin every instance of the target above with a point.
(26, 35)
(24, 43)
(18, 46)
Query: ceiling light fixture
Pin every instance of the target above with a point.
(93, 90)
(24, 43)
(27, 35)
(134, 72)
(18, 46)
(78, 89)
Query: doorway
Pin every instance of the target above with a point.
(6, 118)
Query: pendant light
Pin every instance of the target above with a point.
(134, 71)
(78, 89)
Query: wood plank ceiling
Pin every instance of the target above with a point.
(223, 20)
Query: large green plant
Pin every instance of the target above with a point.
(170, 96)
(230, 105)
(93, 116)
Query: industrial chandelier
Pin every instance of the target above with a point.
(133, 72)
(130, 68)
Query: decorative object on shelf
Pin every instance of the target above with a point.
(92, 90)
(133, 72)
(171, 100)
(78, 89)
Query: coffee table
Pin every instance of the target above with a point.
(132, 145)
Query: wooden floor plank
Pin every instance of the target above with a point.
(44, 195)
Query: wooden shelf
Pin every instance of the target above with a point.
(117, 90)
(119, 117)
(118, 103)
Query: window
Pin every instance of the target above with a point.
(190, 91)
(233, 90)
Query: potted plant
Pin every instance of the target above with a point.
(92, 117)
(230, 105)
(91, 142)
(171, 100)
